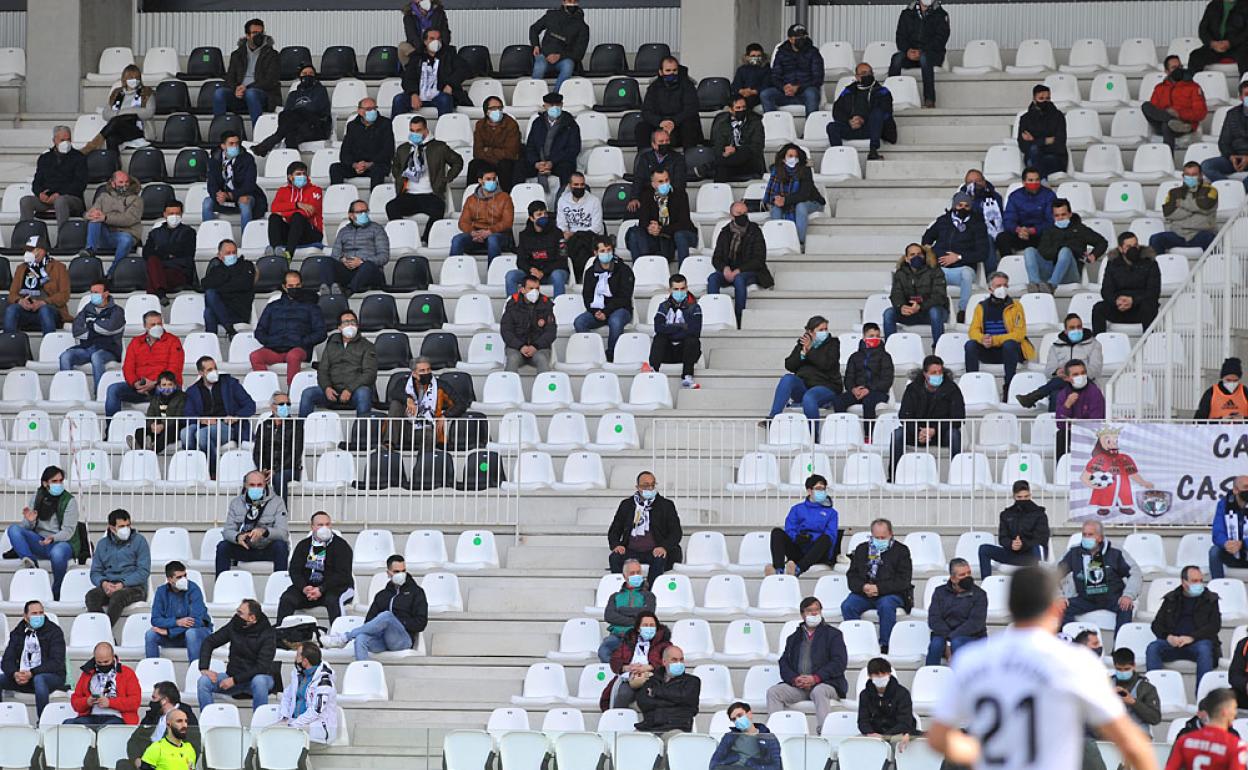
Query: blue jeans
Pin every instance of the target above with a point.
(100, 237)
(209, 211)
(740, 288)
(792, 389)
(615, 324)
(936, 649)
(988, 553)
(260, 686)
(871, 130)
(885, 606)
(799, 216)
(1044, 160)
(1200, 652)
(278, 552)
(1217, 169)
(1041, 270)
(964, 278)
(773, 98)
(1220, 559)
(1163, 242)
(383, 633)
(641, 243)
(1081, 605)
(610, 643)
(254, 101)
(192, 639)
(402, 104)
(361, 399)
(926, 68)
(217, 314)
(495, 243)
(42, 685)
(936, 316)
(563, 69)
(78, 355)
(1009, 355)
(206, 438)
(118, 393)
(26, 543)
(17, 318)
(555, 278)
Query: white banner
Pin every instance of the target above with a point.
(1153, 473)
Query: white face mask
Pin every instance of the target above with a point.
(532, 295)
(156, 332)
(433, 46)
(813, 620)
(1079, 381)
(425, 4)
(123, 533)
(30, 257)
(132, 83)
(64, 147)
(349, 332)
(880, 681)
(791, 162)
(212, 376)
(173, 221)
(324, 534)
(181, 584)
(398, 578)
(999, 292)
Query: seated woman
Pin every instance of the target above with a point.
(129, 106)
(791, 192)
(636, 660)
(814, 373)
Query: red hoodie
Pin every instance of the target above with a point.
(127, 700)
(286, 198)
(144, 361)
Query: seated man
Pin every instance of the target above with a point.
(59, 183)
(305, 118)
(1222, 31)
(289, 328)
(863, 110)
(310, 699)
(663, 223)
(115, 219)
(739, 259)
(813, 377)
(486, 220)
(34, 657)
(250, 666)
(217, 412)
(1232, 142)
(1028, 213)
(170, 254)
(253, 79)
(579, 218)
(120, 565)
(646, 527)
(880, 578)
(998, 333)
(541, 251)
(1098, 576)
(1022, 533)
(147, 356)
(296, 219)
(608, 294)
(1074, 343)
(1137, 693)
(277, 448)
(932, 411)
(528, 328)
(367, 149)
(868, 376)
(435, 78)
(254, 528)
(347, 371)
(107, 692)
(987, 202)
(39, 293)
(553, 144)
(885, 708)
(922, 32)
(232, 183)
(165, 699)
(423, 168)
(677, 331)
(362, 249)
(748, 742)
(229, 289)
(427, 405)
(796, 73)
(1130, 286)
(1042, 136)
(959, 240)
(1225, 400)
(957, 614)
(97, 328)
(1187, 626)
(179, 616)
(1177, 106)
(659, 156)
(752, 76)
(810, 534)
(737, 143)
(559, 40)
(919, 294)
(668, 701)
(812, 665)
(622, 607)
(671, 103)
(1191, 213)
(320, 572)
(1230, 523)
(1079, 401)
(396, 616)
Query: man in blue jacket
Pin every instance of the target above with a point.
(97, 328)
(289, 328)
(179, 616)
(677, 331)
(34, 658)
(812, 667)
(1028, 213)
(1229, 522)
(796, 74)
(958, 613)
(553, 144)
(232, 183)
(217, 408)
(809, 535)
(119, 568)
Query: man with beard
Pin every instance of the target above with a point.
(1022, 531)
(1177, 105)
(1042, 133)
(174, 751)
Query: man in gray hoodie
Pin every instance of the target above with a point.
(255, 527)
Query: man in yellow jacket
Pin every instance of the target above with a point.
(998, 333)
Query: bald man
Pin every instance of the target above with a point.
(107, 693)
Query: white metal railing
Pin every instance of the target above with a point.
(1164, 375)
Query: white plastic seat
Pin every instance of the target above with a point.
(282, 748)
(927, 554)
(425, 549)
(778, 597)
(66, 746)
(1213, 84)
(551, 392)
(88, 630)
(716, 685)
(485, 354)
(648, 392)
(578, 641)
(472, 312)
(861, 641)
(230, 588)
(566, 432)
(861, 471)
(1087, 55)
(1128, 127)
(544, 684)
(1064, 88)
(502, 391)
(1002, 164)
(532, 471)
(905, 90)
(1033, 56)
(585, 351)
(1171, 692)
(756, 472)
(442, 592)
(582, 471)
(1233, 602)
(604, 166)
(929, 682)
(979, 57)
(1101, 162)
(725, 596)
(693, 637)
(839, 164)
(673, 594)
(705, 553)
(112, 61)
(1153, 162)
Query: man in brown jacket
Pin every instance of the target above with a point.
(422, 169)
(115, 219)
(39, 294)
(486, 220)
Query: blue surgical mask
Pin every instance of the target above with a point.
(56, 490)
(676, 668)
(1061, 224)
(231, 260)
(299, 180)
(97, 299)
(1246, 102)
(1088, 543)
(635, 581)
(232, 151)
(648, 494)
(671, 78)
(370, 116)
(680, 295)
(605, 257)
(361, 218)
(554, 112)
(36, 621)
(1074, 335)
(1196, 589)
(496, 116)
(647, 632)
(935, 380)
(490, 185)
(542, 221)
(881, 543)
(665, 189)
(1123, 676)
(283, 410)
(822, 337)
(255, 493)
(819, 496)
(742, 723)
(415, 138)
(1191, 181)
(165, 391)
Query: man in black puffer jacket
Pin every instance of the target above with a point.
(306, 117)
(528, 327)
(1022, 533)
(868, 376)
(396, 616)
(922, 32)
(919, 293)
(931, 396)
(671, 104)
(669, 699)
(559, 41)
(796, 74)
(1223, 31)
(814, 378)
(863, 110)
(249, 669)
(320, 572)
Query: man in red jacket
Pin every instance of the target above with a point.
(107, 692)
(148, 355)
(295, 216)
(1177, 105)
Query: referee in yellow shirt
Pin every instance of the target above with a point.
(174, 751)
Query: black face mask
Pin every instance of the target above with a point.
(742, 220)
(154, 706)
(1177, 74)
(104, 669)
(661, 149)
(1132, 253)
(577, 192)
(961, 214)
(916, 261)
(966, 583)
(424, 379)
(738, 114)
(307, 80)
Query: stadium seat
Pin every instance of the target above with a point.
(544, 684)
(706, 552)
(778, 597)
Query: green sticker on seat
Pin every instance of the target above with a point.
(1023, 467)
(602, 675)
(385, 54)
(483, 467)
(207, 57)
(90, 466)
(1109, 86)
(33, 426)
(552, 387)
(1125, 197)
(619, 428)
(424, 308)
(622, 195)
(623, 92)
(810, 467)
(476, 540)
(746, 628)
(192, 162)
(671, 586)
(489, 346)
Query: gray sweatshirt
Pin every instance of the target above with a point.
(272, 516)
(370, 243)
(49, 528)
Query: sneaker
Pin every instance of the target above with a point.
(790, 568)
(646, 368)
(1029, 400)
(1047, 288)
(29, 563)
(688, 383)
(1033, 288)
(874, 155)
(769, 570)
(334, 640)
(961, 316)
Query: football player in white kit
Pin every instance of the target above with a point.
(1025, 697)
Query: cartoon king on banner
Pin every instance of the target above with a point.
(1109, 474)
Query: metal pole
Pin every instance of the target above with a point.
(802, 13)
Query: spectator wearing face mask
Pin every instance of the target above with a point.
(553, 144)
(559, 40)
(48, 528)
(347, 372)
(796, 73)
(646, 527)
(320, 572)
(420, 417)
(959, 240)
(1022, 533)
(115, 219)
(1187, 626)
(659, 156)
(624, 607)
(746, 744)
(147, 356)
(249, 670)
(814, 372)
(885, 708)
(812, 665)
(486, 220)
(739, 259)
(1080, 400)
(1130, 286)
(289, 328)
(671, 103)
(1137, 693)
(232, 185)
(1090, 639)
(869, 376)
(218, 409)
(932, 411)
(1042, 134)
(1223, 33)
(277, 450)
(34, 656)
(791, 192)
(362, 249)
(998, 333)
(128, 106)
(305, 118)
(296, 213)
(578, 215)
(810, 535)
(1191, 214)
(668, 700)
(169, 253)
(541, 252)
(433, 78)
(310, 699)
(957, 615)
(919, 294)
(636, 660)
(664, 226)
(677, 332)
(1028, 213)
(986, 201)
(229, 289)
(120, 565)
(608, 294)
(881, 578)
(179, 616)
(752, 75)
(59, 183)
(1232, 142)
(922, 32)
(737, 142)
(1074, 343)
(1177, 105)
(1097, 575)
(1230, 522)
(418, 17)
(367, 149)
(496, 143)
(254, 528)
(863, 110)
(397, 615)
(107, 692)
(423, 169)
(528, 328)
(162, 426)
(97, 328)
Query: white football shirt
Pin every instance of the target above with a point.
(1028, 696)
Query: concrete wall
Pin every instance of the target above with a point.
(707, 26)
(52, 58)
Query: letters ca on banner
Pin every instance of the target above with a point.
(1154, 473)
